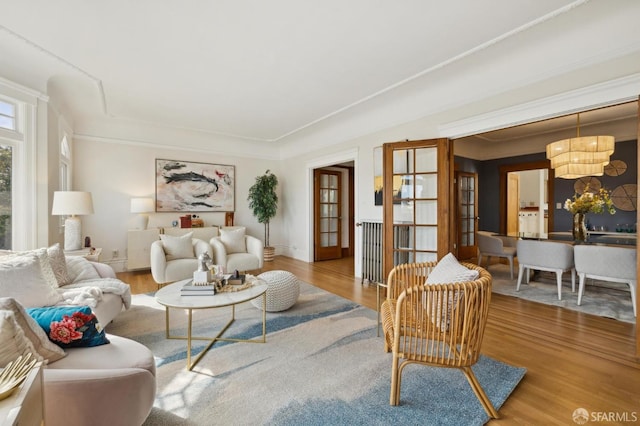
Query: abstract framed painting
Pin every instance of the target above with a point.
(185, 186)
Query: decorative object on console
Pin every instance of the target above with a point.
(263, 201)
(72, 203)
(185, 221)
(183, 186)
(142, 206)
(580, 156)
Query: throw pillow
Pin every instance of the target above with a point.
(80, 269)
(43, 349)
(233, 240)
(58, 264)
(70, 326)
(13, 343)
(448, 271)
(178, 247)
(29, 279)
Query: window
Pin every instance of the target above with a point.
(7, 115)
(6, 207)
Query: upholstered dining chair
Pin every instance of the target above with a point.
(545, 256)
(491, 245)
(436, 322)
(614, 264)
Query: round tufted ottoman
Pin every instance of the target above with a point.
(283, 290)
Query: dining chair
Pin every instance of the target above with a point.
(491, 245)
(545, 256)
(438, 325)
(614, 264)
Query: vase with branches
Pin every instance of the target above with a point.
(263, 201)
(591, 201)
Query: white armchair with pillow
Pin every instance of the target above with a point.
(176, 258)
(235, 250)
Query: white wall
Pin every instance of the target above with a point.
(114, 172)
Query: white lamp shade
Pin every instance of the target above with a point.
(72, 203)
(142, 205)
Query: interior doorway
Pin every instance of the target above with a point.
(528, 203)
(333, 212)
(510, 191)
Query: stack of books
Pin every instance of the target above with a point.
(189, 289)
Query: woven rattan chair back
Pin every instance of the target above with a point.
(439, 325)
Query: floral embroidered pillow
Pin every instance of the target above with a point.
(70, 326)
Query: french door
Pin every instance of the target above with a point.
(327, 216)
(418, 213)
(467, 214)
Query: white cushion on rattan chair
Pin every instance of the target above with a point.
(449, 270)
(282, 292)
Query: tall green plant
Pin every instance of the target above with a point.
(263, 200)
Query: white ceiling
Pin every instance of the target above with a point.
(259, 70)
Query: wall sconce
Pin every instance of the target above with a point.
(72, 203)
(142, 206)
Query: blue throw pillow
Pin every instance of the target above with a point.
(70, 326)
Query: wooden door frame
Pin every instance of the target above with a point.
(456, 203)
(505, 170)
(446, 225)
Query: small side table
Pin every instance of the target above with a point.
(86, 252)
(26, 405)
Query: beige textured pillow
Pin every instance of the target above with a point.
(28, 278)
(38, 342)
(233, 240)
(58, 264)
(178, 247)
(12, 340)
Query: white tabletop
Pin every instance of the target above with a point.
(170, 296)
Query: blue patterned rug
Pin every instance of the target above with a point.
(322, 364)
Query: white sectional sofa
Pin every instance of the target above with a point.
(108, 384)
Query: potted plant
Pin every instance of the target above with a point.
(263, 201)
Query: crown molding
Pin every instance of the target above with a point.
(613, 92)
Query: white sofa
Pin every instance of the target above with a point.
(109, 384)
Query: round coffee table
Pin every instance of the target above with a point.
(169, 296)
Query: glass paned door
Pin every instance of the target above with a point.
(328, 217)
(467, 216)
(417, 227)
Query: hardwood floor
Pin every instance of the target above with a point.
(573, 360)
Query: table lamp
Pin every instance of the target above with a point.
(72, 203)
(142, 206)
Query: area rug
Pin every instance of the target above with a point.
(322, 364)
(602, 298)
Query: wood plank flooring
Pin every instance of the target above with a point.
(573, 360)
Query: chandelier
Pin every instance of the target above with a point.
(580, 156)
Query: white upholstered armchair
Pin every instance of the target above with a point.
(176, 258)
(235, 250)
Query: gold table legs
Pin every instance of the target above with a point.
(218, 338)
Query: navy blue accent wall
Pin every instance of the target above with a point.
(489, 189)
(625, 151)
